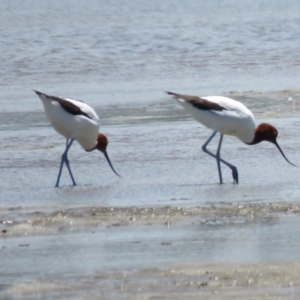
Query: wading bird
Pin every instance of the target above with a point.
(227, 116)
(75, 120)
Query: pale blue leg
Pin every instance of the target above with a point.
(64, 159)
(219, 159)
(68, 164)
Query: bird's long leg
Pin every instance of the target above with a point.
(218, 158)
(232, 167)
(64, 159)
(67, 161)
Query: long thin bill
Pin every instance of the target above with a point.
(283, 154)
(108, 160)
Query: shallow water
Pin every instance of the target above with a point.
(92, 236)
(116, 53)
(166, 229)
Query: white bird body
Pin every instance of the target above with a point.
(79, 127)
(236, 119)
(228, 117)
(75, 120)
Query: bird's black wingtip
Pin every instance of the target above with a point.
(169, 93)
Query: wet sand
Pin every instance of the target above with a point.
(216, 251)
(189, 281)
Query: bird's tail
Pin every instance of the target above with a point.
(177, 97)
(172, 94)
(39, 93)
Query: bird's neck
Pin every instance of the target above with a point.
(258, 137)
(254, 142)
(90, 150)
